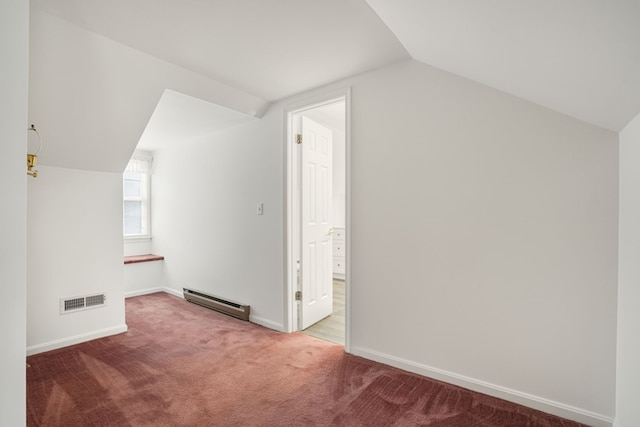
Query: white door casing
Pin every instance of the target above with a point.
(316, 222)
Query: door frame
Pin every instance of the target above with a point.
(292, 206)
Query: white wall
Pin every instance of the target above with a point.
(204, 216)
(484, 239)
(484, 235)
(74, 248)
(143, 278)
(134, 246)
(14, 45)
(339, 178)
(628, 374)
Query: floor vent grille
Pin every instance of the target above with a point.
(73, 304)
(241, 311)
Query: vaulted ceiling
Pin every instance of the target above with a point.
(578, 57)
(271, 49)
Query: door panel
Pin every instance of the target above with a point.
(316, 212)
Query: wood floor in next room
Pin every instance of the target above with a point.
(331, 328)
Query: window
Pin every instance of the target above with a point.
(136, 189)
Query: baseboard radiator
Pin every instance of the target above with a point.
(231, 308)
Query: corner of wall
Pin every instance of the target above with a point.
(628, 347)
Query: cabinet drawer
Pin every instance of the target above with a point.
(338, 265)
(338, 248)
(338, 234)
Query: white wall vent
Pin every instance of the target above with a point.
(73, 304)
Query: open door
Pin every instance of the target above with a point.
(316, 223)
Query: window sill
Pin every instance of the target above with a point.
(133, 259)
(136, 239)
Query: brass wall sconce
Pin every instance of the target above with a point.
(32, 158)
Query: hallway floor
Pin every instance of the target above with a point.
(331, 328)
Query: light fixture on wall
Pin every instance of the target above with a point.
(32, 158)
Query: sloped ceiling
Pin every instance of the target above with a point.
(578, 57)
(91, 98)
(272, 49)
(179, 118)
(99, 68)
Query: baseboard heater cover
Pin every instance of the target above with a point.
(235, 309)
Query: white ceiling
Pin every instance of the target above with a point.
(180, 118)
(272, 49)
(579, 57)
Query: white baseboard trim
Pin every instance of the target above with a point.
(153, 291)
(525, 399)
(77, 339)
(173, 292)
(266, 323)
(253, 319)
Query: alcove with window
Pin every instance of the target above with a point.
(140, 275)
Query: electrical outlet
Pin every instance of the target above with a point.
(260, 208)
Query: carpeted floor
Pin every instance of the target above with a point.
(184, 365)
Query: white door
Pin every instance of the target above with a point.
(316, 223)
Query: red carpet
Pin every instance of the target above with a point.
(184, 365)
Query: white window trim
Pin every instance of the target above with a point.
(141, 163)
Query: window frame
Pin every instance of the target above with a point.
(144, 198)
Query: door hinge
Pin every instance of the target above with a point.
(298, 138)
(298, 295)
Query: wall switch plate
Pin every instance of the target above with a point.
(260, 208)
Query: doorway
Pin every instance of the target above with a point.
(317, 207)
